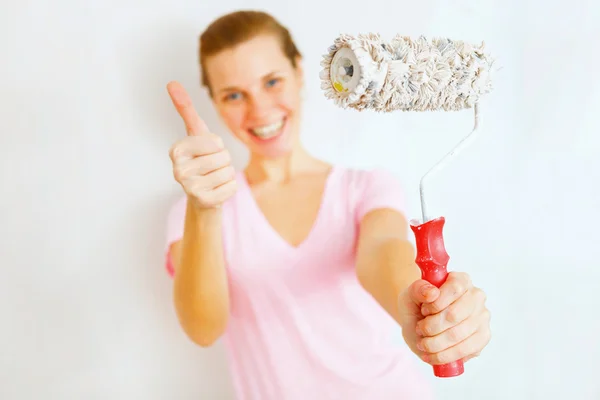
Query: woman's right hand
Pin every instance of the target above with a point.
(201, 163)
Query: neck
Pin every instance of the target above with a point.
(281, 169)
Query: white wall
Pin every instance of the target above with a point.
(86, 124)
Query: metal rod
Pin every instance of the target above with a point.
(445, 161)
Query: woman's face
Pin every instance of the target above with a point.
(256, 91)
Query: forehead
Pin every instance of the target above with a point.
(246, 63)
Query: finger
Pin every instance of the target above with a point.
(183, 104)
(204, 165)
(215, 179)
(191, 147)
(450, 337)
(218, 140)
(469, 304)
(468, 348)
(422, 291)
(467, 358)
(223, 192)
(218, 195)
(457, 284)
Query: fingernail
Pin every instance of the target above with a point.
(425, 311)
(425, 290)
(420, 346)
(419, 331)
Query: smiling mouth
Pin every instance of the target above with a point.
(268, 131)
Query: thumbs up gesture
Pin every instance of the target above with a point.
(201, 164)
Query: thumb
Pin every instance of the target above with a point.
(422, 291)
(194, 125)
(411, 301)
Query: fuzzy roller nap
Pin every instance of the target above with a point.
(405, 74)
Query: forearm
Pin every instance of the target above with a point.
(200, 289)
(386, 268)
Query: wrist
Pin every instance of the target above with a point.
(199, 208)
(203, 214)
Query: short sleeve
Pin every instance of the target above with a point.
(376, 189)
(174, 230)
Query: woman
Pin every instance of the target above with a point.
(302, 267)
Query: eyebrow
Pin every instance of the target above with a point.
(234, 88)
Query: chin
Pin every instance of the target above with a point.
(275, 140)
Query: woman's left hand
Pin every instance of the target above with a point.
(446, 324)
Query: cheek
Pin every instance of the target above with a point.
(290, 101)
(233, 117)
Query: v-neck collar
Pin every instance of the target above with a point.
(247, 191)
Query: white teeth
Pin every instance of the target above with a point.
(267, 131)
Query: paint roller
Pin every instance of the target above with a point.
(365, 72)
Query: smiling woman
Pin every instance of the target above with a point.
(257, 96)
(261, 104)
(302, 267)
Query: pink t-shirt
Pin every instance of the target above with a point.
(301, 326)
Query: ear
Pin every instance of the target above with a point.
(299, 68)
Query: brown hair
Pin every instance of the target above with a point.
(237, 27)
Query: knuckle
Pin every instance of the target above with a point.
(178, 173)
(467, 351)
(204, 165)
(487, 336)
(459, 287)
(229, 190)
(226, 173)
(227, 156)
(435, 308)
(419, 327)
(197, 190)
(454, 356)
(465, 276)
(231, 186)
(434, 359)
(462, 279)
(482, 295)
(427, 329)
(455, 334)
(453, 315)
(487, 315)
(177, 149)
(203, 142)
(457, 275)
(441, 358)
(428, 345)
(174, 152)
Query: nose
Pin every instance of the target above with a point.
(260, 105)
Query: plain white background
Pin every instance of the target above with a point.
(86, 124)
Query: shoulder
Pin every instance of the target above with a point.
(369, 179)
(370, 189)
(176, 219)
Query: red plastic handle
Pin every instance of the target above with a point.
(432, 259)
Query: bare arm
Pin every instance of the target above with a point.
(202, 166)
(385, 258)
(201, 292)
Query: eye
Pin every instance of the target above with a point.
(272, 82)
(233, 96)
